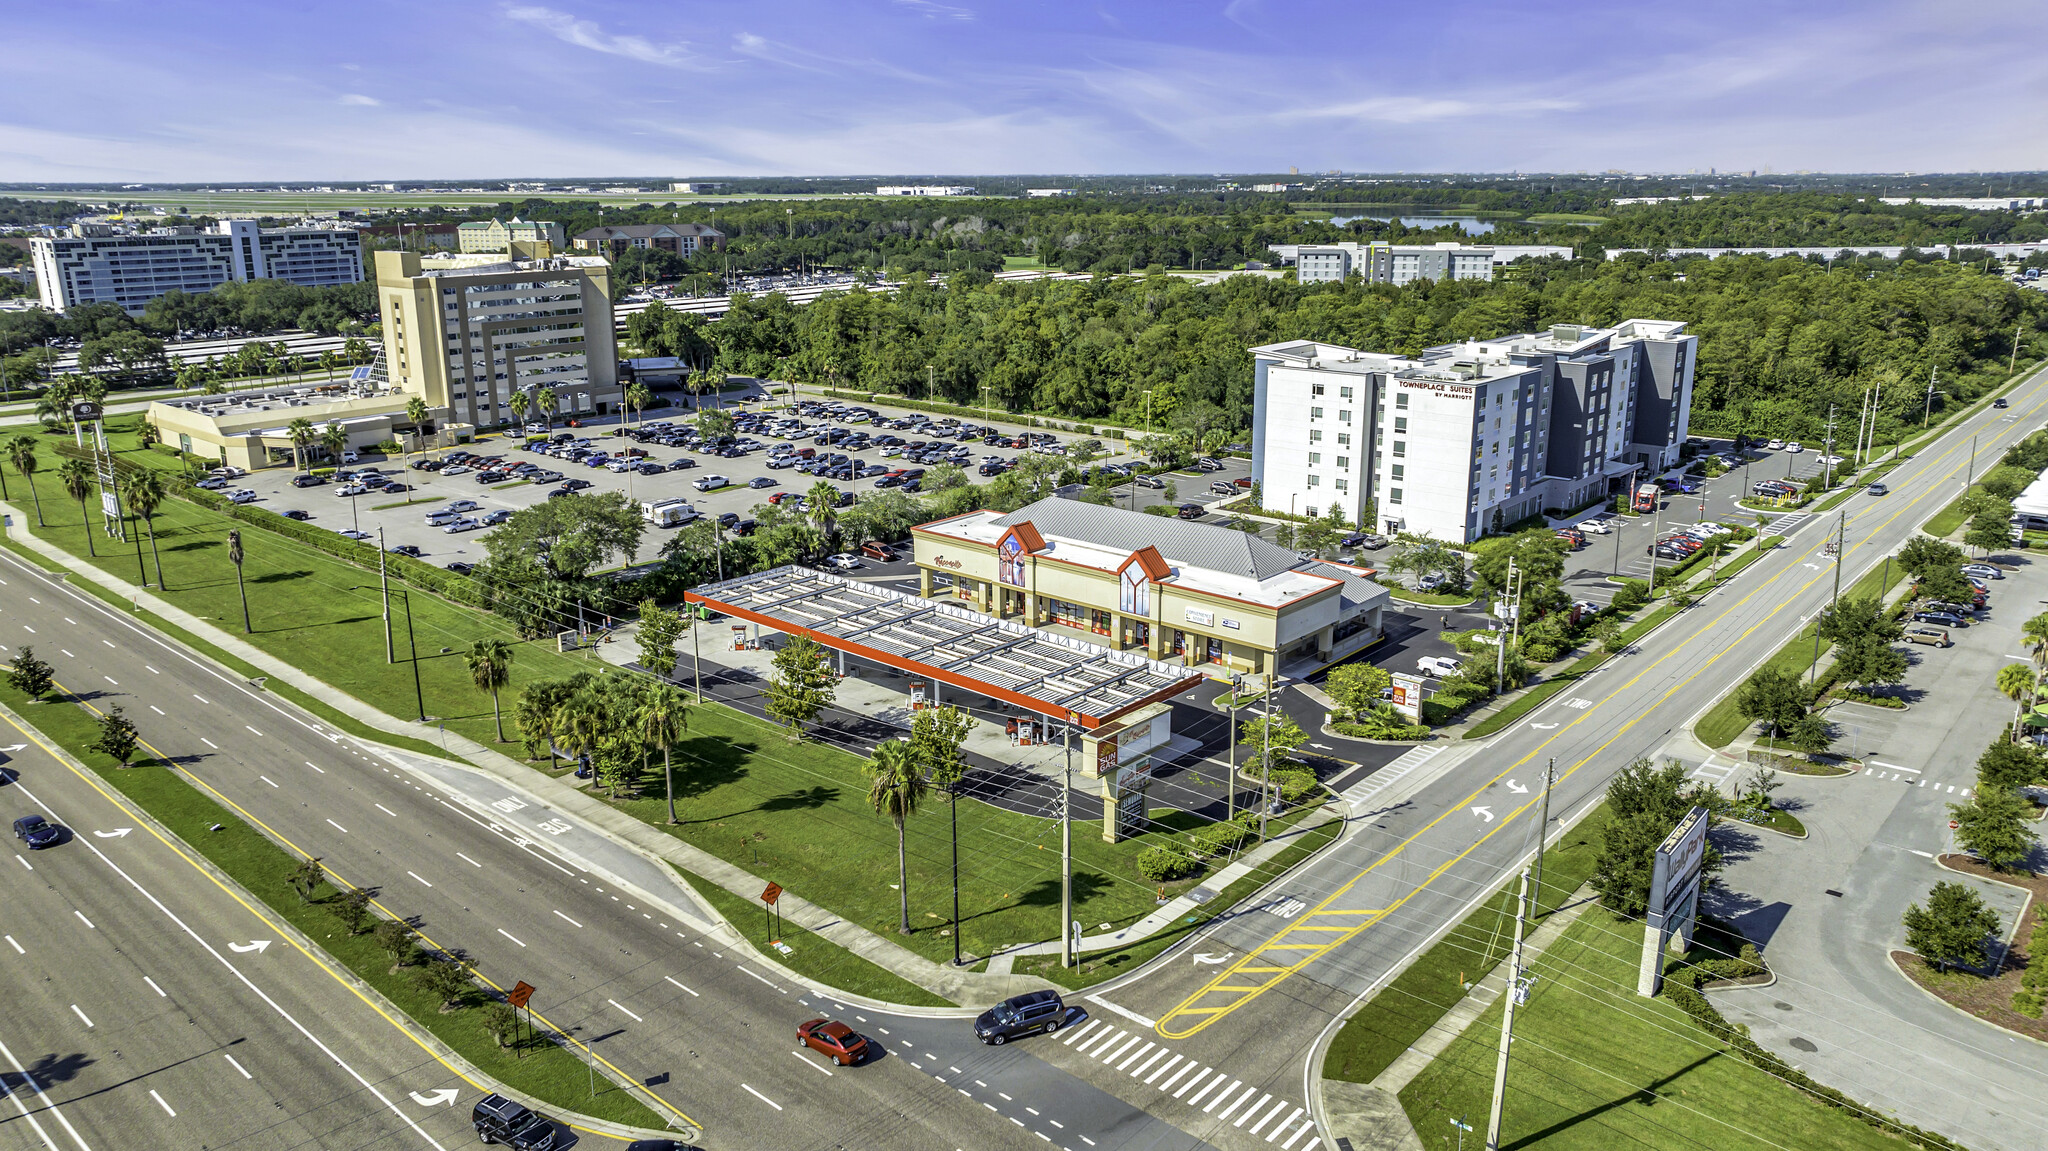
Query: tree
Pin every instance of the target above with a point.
(1287, 738)
(659, 630)
(490, 668)
(1863, 632)
(539, 706)
(714, 422)
(1284, 535)
(519, 403)
(818, 506)
(1955, 929)
(639, 397)
(1538, 555)
(352, 907)
(30, 676)
(334, 438)
(1646, 802)
(1937, 566)
(1356, 688)
(447, 978)
(545, 400)
(1991, 528)
(416, 412)
(564, 539)
(300, 432)
(305, 877)
(661, 720)
(801, 686)
(1996, 826)
(1423, 556)
(1316, 536)
(936, 734)
(21, 452)
(395, 939)
(500, 1021)
(2016, 683)
(117, 738)
(2035, 631)
(896, 785)
(76, 476)
(1773, 697)
(145, 493)
(2006, 765)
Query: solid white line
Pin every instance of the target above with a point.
(1156, 1057)
(110, 643)
(83, 919)
(151, 670)
(1895, 767)
(24, 861)
(629, 1014)
(109, 678)
(315, 767)
(153, 987)
(416, 875)
(202, 699)
(29, 1115)
(267, 780)
(468, 860)
(749, 971)
(1127, 1013)
(156, 709)
(67, 653)
(160, 1103)
(387, 811)
(236, 1066)
(16, 946)
(567, 920)
(761, 1097)
(81, 1015)
(337, 827)
(259, 735)
(671, 979)
(510, 936)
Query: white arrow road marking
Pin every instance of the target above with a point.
(1485, 813)
(1205, 957)
(114, 834)
(1517, 788)
(1544, 726)
(13, 747)
(1324, 746)
(445, 1096)
(252, 945)
(1815, 567)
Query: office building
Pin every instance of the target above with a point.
(1202, 595)
(681, 239)
(466, 332)
(1468, 438)
(694, 187)
(1383, 263)
(924, 190)
(251, 429)
(97, 264)
(1048, 193)
(497, 235)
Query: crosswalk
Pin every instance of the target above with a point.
(1360, 793)
(1718, 774)
(1218, 1094)
(1787, 524)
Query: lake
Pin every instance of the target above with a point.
(1473, 225)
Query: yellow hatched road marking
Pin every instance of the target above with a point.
(1211, 1014)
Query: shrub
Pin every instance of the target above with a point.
(1295, 784)
(1163, 864)
(1633, 594)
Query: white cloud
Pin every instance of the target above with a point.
(590, 34)
(357, 99)
(935, 11)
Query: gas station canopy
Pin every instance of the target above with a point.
(1049, 674)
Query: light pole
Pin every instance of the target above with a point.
(419, 697)
(1067, 940)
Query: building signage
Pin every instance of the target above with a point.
(1408, 695)
(1674, 896)
(1205, 618)
(1231, 624)
(1106, 757)
(1441, 387)
(1010, 560)
(943, 562)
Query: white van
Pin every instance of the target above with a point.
(441, 516)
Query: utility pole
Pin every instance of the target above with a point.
(1970, 477)
(1067, 941)
(384, 588)
(1517, 991)
(1543, 836)
(1230, 780)
(1500, 658)
(1927, 409)
(1656, 527)
(1266, 769)
(1841, 527)
(2013, 360)
(1828, 453)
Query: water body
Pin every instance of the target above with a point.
(1473, 225)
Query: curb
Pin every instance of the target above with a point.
(1891, 956)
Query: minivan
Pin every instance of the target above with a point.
(1928, 634)
(440, 516)
(1021, 1015)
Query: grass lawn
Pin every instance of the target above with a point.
(1433, 598)
(1777, 820)
(296, 592)
(1596, 1067)
(1011, 263)
(1566, 218)
(412, 503)
(1407, 1008)
(1948, 519)
(260, 866)
(815, 957)
(1723, 722)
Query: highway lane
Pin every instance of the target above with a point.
(654, 996)
(138, 1000)
(1340, 927)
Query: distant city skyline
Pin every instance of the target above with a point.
(233, 91)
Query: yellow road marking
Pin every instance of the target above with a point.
(335, 877)
(1242, 966)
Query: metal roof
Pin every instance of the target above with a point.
(1047, 673)
(1210, 546)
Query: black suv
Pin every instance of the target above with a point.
(499, 1120)
(1021, 1015)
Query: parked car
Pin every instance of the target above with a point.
(1021, 1015)
(296, 514)
(1148, 481)
(497, 517)
(708, 482)
(1982, 571)
(242, 496)
(354, 534)
(1595, 527)
(1222, 488)
(1941, 618)
(1793, 447)
(1439, 665)
(877, 551)
(308, 481)
(461, 506)
(1192, 511)
(461, 524)
(1928, 634)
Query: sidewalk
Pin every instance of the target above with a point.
(968, 988)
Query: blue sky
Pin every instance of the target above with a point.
(216, 90)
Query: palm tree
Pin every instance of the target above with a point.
(2016, 683)
(895, 787)
(520, 402)
(662, 718)
(490, 666)
(545, 400)
(416, 411)
(76, 476)
(301, 433)
(639, 397)
(581, 723)
(335, 440)
(21, 452)
(818, 506)
(2034, 631)
(145, 494)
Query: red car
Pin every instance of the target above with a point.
(779, 497)
(835, 1041)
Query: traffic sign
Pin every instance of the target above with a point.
(520, 993)
(773, 893)
(1953, 825)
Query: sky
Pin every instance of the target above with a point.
(214, 90)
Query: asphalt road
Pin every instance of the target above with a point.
(706, 1030)
(1407, 869)
(142, 997)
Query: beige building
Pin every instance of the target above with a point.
(1201, 595)
(499, 235)
(466, 332)
(252, 429)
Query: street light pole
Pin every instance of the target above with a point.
(384, 585)
(419, 696)
(1067, 953)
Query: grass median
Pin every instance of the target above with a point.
(1408, 1007)
(541, 1069)
(813, 956)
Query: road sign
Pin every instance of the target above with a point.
(108, 504)
(521, 992)
(773, 893)
(1953, 825)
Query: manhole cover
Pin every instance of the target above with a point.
(1805, 1045)
(1782, 1006)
